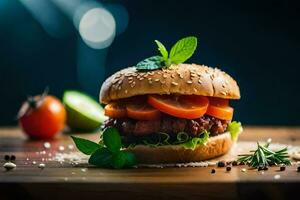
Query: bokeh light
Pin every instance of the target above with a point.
(97, 28)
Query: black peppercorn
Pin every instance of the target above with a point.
(6, 157)
(265, 168)
(241, 163)
(12, 157)
(221, 163)
(260, 168)
(213, 171)
(228, 168)
(234, 163)
(282, 168)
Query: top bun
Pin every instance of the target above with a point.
(182, 79)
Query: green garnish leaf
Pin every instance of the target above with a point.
(162, 49)
(101, 158)
(85, 146)
(118, 160)
(154, 62)
(112, 139)
(183, 50)
(235, 128)
(263, 157)
(130, 159)
(180, 52)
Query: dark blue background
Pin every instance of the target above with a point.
(257, 42)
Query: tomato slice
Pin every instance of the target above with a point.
(188, 107)
(142, 111)
(218, 102)
(115, 110)
(220, 109)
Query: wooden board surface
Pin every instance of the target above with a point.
(63, 180)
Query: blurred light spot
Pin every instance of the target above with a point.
(97, 28)
(82, 9)
(121, 16)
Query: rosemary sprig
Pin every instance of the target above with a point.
(263, 157)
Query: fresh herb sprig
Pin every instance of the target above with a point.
(107, 153)
(263, 157)
(180, 52)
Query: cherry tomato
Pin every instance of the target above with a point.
(42, 117)
(188, 107)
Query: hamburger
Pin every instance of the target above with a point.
(177, 114)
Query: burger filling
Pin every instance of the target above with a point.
(168, 119)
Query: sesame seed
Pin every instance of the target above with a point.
(150, 82)
(156, 80)
(224, 93)
(189, 82)
(172, 75)
(193, 75)
(119, 88)
(165, 76)
(141, 78)
(174, 83)
(195, 89)
(163, 82)
(181, 76)
(200, 81)
(244, 170)
(126, 91)
(199, 74)
(130, 78)
(132, 85)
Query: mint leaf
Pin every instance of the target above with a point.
(162, 49)
(112, 139)
(101, 158)
(235, 128)
(154, 62)
(118, 160)
(183, 50)
(130, 159)
(85, 146)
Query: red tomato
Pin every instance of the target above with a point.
(43, 118)
(142, 111)
(115, 110)
(220, 109)
(188, 107)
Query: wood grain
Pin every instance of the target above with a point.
(62, 181)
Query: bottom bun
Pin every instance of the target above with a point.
(216, 146)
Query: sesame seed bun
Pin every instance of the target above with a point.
(216, 146)
(183, 79)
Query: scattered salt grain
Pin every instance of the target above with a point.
(9, 165)
(33, 162)
(47, 145)
(61, 148)
(42, 166)
(70, 146)
(277, 176)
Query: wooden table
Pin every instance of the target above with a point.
(58, 181)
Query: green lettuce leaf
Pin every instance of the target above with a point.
(161, 139)
(235, 128)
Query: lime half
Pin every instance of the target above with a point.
(83, 112)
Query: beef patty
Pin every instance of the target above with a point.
(168, 124)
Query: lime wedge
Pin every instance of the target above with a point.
(83, 112)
